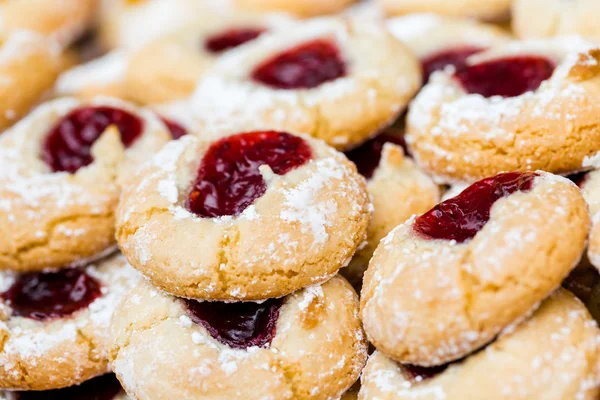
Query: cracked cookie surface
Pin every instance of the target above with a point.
(430, 301)
(53, 219)
(317, 352)
(305, 226)
(552, 355)
(61, 352)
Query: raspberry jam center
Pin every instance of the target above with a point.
(67, 146)
(231, 38)
(47, 295)
(455, 57)
(238, 325)
(506, 77)
(176, 129)
(229, 179)
(105, 387)
(368, 155)
(303, 67)
(461, 217)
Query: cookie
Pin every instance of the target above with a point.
(552, 355)
(439, 41)
(103, 76)
(105, 387)
(491, 10)
(30, 64)
(398, 190)
(555, 18)
(522, 106)
(61, 20)
(301, 8)
(266, 213)
(309, 345)
(54, 325)
(339, 80)
(61, 177)
(590, 188)
(447, 282)
(131, 24)
(168, 69)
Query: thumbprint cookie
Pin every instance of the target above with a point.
(590, 188)
(440, 41)
(547, 18)
(521, 106)
(29, 67)
(248, 217)
(54, 324)
(168, 68)
(398, 190)
(445, 283)
(552, 355)
(489, 10)
(104, 387)
(62, 168)
(301, 8)
(308, 345)
(339, 80)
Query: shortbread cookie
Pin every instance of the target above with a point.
(102, 76)
(62, 168)
(309, 345)
(553, 355)
(398, 189)
(546, 18)
(447, 282)
(61, 20)
(30, 64)
(131, 24)
(340, 80)
(441, 41)
(590, 188)
(302, 8)
(168, 69)
(54, 325)
(266, 213)
(490, 10)
(105, 387)
(522, 106)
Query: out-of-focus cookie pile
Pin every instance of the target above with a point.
(299, 199)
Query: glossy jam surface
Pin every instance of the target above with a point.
(418, 374)
(231, 38)
(506, 77)
(302, 67)
(368, 155)
(49, 295)
(229, 179)
(461, 217)
(105, 387)
(176, 129)
(455, 57)
(238, 325)
(67, 146)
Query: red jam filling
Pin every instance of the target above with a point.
(461, 217)
(417, 374)
(238, 325)
(47, 295)
(229, 179)
(438, 61)
(68, 144)
(231, 38)
(506, 77)
(368, 155)
(176, 129)
(303, 67)
(105, 387)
